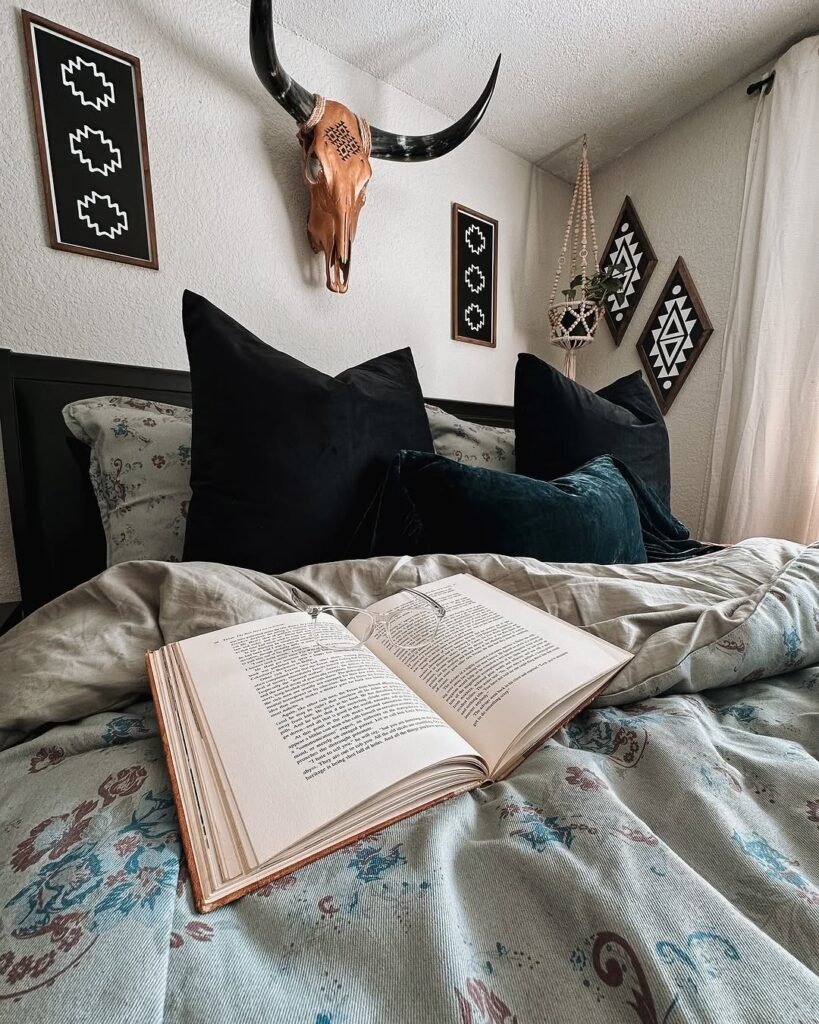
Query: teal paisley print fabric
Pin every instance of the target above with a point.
(140, 472)
(656, 862)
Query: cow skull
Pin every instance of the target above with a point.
(336, 166)
(336, 146)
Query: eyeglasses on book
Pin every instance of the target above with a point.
(412, 623)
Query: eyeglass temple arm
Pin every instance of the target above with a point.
(439, 609)
(311, 609)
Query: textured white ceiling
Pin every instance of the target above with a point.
(621, 70)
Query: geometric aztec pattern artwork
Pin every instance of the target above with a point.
(474, 276)
(90, 123)
(630, 251)
(674, 336)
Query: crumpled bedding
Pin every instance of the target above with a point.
(656, 861)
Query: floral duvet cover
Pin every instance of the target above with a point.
(656, 861)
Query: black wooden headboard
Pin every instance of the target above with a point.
(58, 537)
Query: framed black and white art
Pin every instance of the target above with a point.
(674, 336)
(629, 250)
(90, 124)
(474, 276)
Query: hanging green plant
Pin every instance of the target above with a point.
(596, 288)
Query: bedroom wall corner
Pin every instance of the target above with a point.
(687, 185)
(231, 211)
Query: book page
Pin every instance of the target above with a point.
(303, 735)
(496, 664)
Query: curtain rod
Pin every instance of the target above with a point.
(765, 83)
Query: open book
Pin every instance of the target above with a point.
(280, 752)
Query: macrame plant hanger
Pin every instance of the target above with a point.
(573, 323)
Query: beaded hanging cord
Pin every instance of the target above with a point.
(574, 323)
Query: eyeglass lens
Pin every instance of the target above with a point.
(331, 638)
(414, 623)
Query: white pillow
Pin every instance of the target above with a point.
(140, 473)
(472, 443)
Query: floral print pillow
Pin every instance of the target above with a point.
(140, 472)
(472, 443)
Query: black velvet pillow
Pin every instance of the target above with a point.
(286, 461)
(559, 425)
(430, 504)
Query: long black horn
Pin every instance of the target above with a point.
(386, 146)
(296, 100)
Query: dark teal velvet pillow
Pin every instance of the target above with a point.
(430, 504)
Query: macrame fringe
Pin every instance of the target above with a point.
(569, 364)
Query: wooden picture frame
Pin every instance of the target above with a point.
(474, 277)
(628, 244)
(90, 121)
(674, 336)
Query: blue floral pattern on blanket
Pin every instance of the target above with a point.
(108, 863)
(84, 877)
(612, 969)
(140, 473)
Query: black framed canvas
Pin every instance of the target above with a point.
(90, 121)
(474, 276)
(674, 336)
(630, 251)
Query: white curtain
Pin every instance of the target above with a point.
(764, 475)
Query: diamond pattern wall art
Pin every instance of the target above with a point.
(674, 336)
(93, 152)
(630, 251)
(474, 276)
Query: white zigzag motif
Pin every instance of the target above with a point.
(79, 136)
(478, 246)
(626, 258)
(672, 339)
(474, 310)
(475, 278)
(90, 201)
(71, 67)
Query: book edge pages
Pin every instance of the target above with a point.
(184, 833)
(205, 907)
(231, 817)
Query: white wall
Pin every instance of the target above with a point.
(687, 185)
(231, 212)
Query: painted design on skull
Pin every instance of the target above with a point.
(340, 136)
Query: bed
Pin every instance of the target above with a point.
(656, 861)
